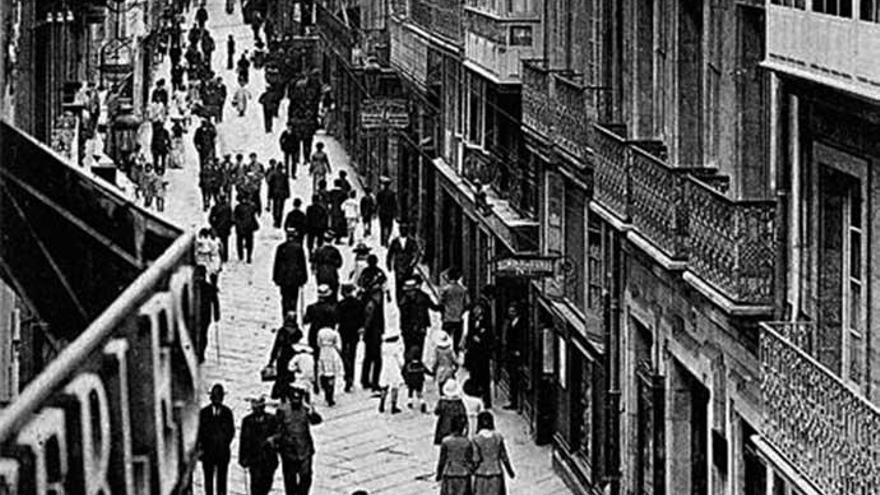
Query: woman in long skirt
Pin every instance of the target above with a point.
(490, 456)
(455, 466)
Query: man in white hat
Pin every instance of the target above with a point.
(320, 314)
(254, 452)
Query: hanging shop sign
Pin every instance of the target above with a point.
(525, 266)
(384, 113)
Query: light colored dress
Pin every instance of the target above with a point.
(392, 364)
(329, 346)
(240, 100)
(444, 365)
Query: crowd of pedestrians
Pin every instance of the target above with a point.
(314, 353)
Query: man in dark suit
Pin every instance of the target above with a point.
(254, 450)
(296, 218)
(517, 329)
(290, 272)
(216, 429)
(403, 256)
(350, 311)
(386, 206)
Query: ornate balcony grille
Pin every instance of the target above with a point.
(442, 17)
(732, 243)
(536, 111)
(573, 121)
(611, 174)
(658, 207)
(827, 431)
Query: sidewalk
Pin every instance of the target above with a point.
(357, 448)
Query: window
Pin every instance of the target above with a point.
(476, 96)
(870, 10)
(840, 8)
(798, 4)
(520, 36)
(520, 6)
(595, 262)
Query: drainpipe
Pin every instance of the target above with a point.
(611, 317)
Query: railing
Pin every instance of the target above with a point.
(732, 243)
(612, 177)
(573, 117)
(658, 208)
(122, 398)
(442, 17)
(536, 110)
(827, 431)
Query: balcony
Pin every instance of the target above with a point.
(496, 41)
(827, 432)
(439, 17)
(836, 51)
(728, 246)
(498, 62)
(557, 107)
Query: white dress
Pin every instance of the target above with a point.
(392, 364)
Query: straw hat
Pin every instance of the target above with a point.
(451, 388)
(324, 290)
(442, 339)
(361, 248)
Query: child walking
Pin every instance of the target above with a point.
(392, 372)
(414, 376)
(329, 362)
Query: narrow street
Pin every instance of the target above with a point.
(357, 448)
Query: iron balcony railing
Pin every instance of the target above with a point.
(558, 107)
(730, 244)
(441, 17)
(829, 432)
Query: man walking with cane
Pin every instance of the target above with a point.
(255, 453)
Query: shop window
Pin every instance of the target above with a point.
(548, 347)
(840, 8)
(574, 244)
(561, 361)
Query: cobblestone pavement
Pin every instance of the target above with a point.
(356, 447)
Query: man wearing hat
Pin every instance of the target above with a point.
(414, 317)
(254, 451)
(320, 314)
(351, 319)
(290, 272)
(216, 430)
(361, 253)
(327, 260)
(294, 441)
(374, 328)
(403, 256)
(316, 222)
(386, 206)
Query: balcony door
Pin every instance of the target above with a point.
(841, 261)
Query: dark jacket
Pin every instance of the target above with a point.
(403, 259)
(320, 315)
(204, 137)
(290, 265)
(456, 458)
(386, 204)
(414, 306)
(220, 218)
(371, 277)
(282, 349)
(288, 142)
(253, 447)
(296, 219)
(445, 410)
(279, 186)
(161, 142)
(209, 303)
(294, 432)
(368, 206)
(245, 218)
(160, 95)
(374, 320)
(351, 317)
(327, 261)
(215, 434)
(316, 218)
